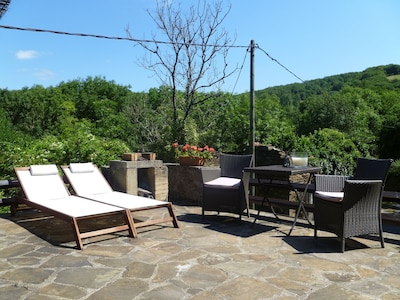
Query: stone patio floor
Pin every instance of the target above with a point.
(219, 258)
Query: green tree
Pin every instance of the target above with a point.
(389, 136)
(231, 126)
(92, 95)
(331, 150)
(327, 111)
(35, 110)
(273, 123)
(104, 104)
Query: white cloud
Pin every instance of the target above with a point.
(26, 54)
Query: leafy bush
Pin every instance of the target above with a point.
(331, 150)
(53, 150)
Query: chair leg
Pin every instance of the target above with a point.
(381, 238)
(13, 209)
(343, 244)
(75, 229)
(381, 234)
(173, 216)
(131, 224)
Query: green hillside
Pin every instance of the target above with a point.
(336, 119)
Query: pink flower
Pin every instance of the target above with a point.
(188, 150)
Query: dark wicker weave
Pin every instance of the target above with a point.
(227, 198)
(359, 212)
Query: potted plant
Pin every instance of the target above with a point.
(191, 155)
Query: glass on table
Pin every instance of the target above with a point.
(299, 159)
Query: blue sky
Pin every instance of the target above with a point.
(312, 38)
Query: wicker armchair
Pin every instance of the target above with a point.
(348, 206)
(226, 192)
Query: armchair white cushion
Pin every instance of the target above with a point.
(224, 182)
(330, 196)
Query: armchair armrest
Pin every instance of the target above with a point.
(362, 190)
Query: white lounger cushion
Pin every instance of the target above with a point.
(124, 200)
(77, 207)
(224, 182)
(81, 167)
(41, 170)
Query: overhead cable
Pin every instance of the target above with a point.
(240, 70)
(273, 59)
(114, 37)
(144, 41)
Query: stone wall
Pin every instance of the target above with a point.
(173, 182)
(268, 155)
(185, 183)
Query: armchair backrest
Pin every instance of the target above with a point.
(330, 183)
(372, 169)
(232, 165)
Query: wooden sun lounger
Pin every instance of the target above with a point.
(87, 181)
(44, 189)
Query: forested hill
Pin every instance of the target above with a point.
(378, 79)
(361, 108)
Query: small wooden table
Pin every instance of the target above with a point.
(269, 176)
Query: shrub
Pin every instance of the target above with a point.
(331, 150)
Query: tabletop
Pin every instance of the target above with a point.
(281, 170)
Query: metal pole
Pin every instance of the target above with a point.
(252, 114)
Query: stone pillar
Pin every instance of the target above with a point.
(185, 183)
(129, 176)
(161, 182)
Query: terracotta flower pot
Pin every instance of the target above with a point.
(191, 161)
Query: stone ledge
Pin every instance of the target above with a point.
(185, 183)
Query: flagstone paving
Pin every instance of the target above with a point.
(218, 258)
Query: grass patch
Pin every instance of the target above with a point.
(393, 77)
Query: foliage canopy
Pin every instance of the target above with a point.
(336, 119)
